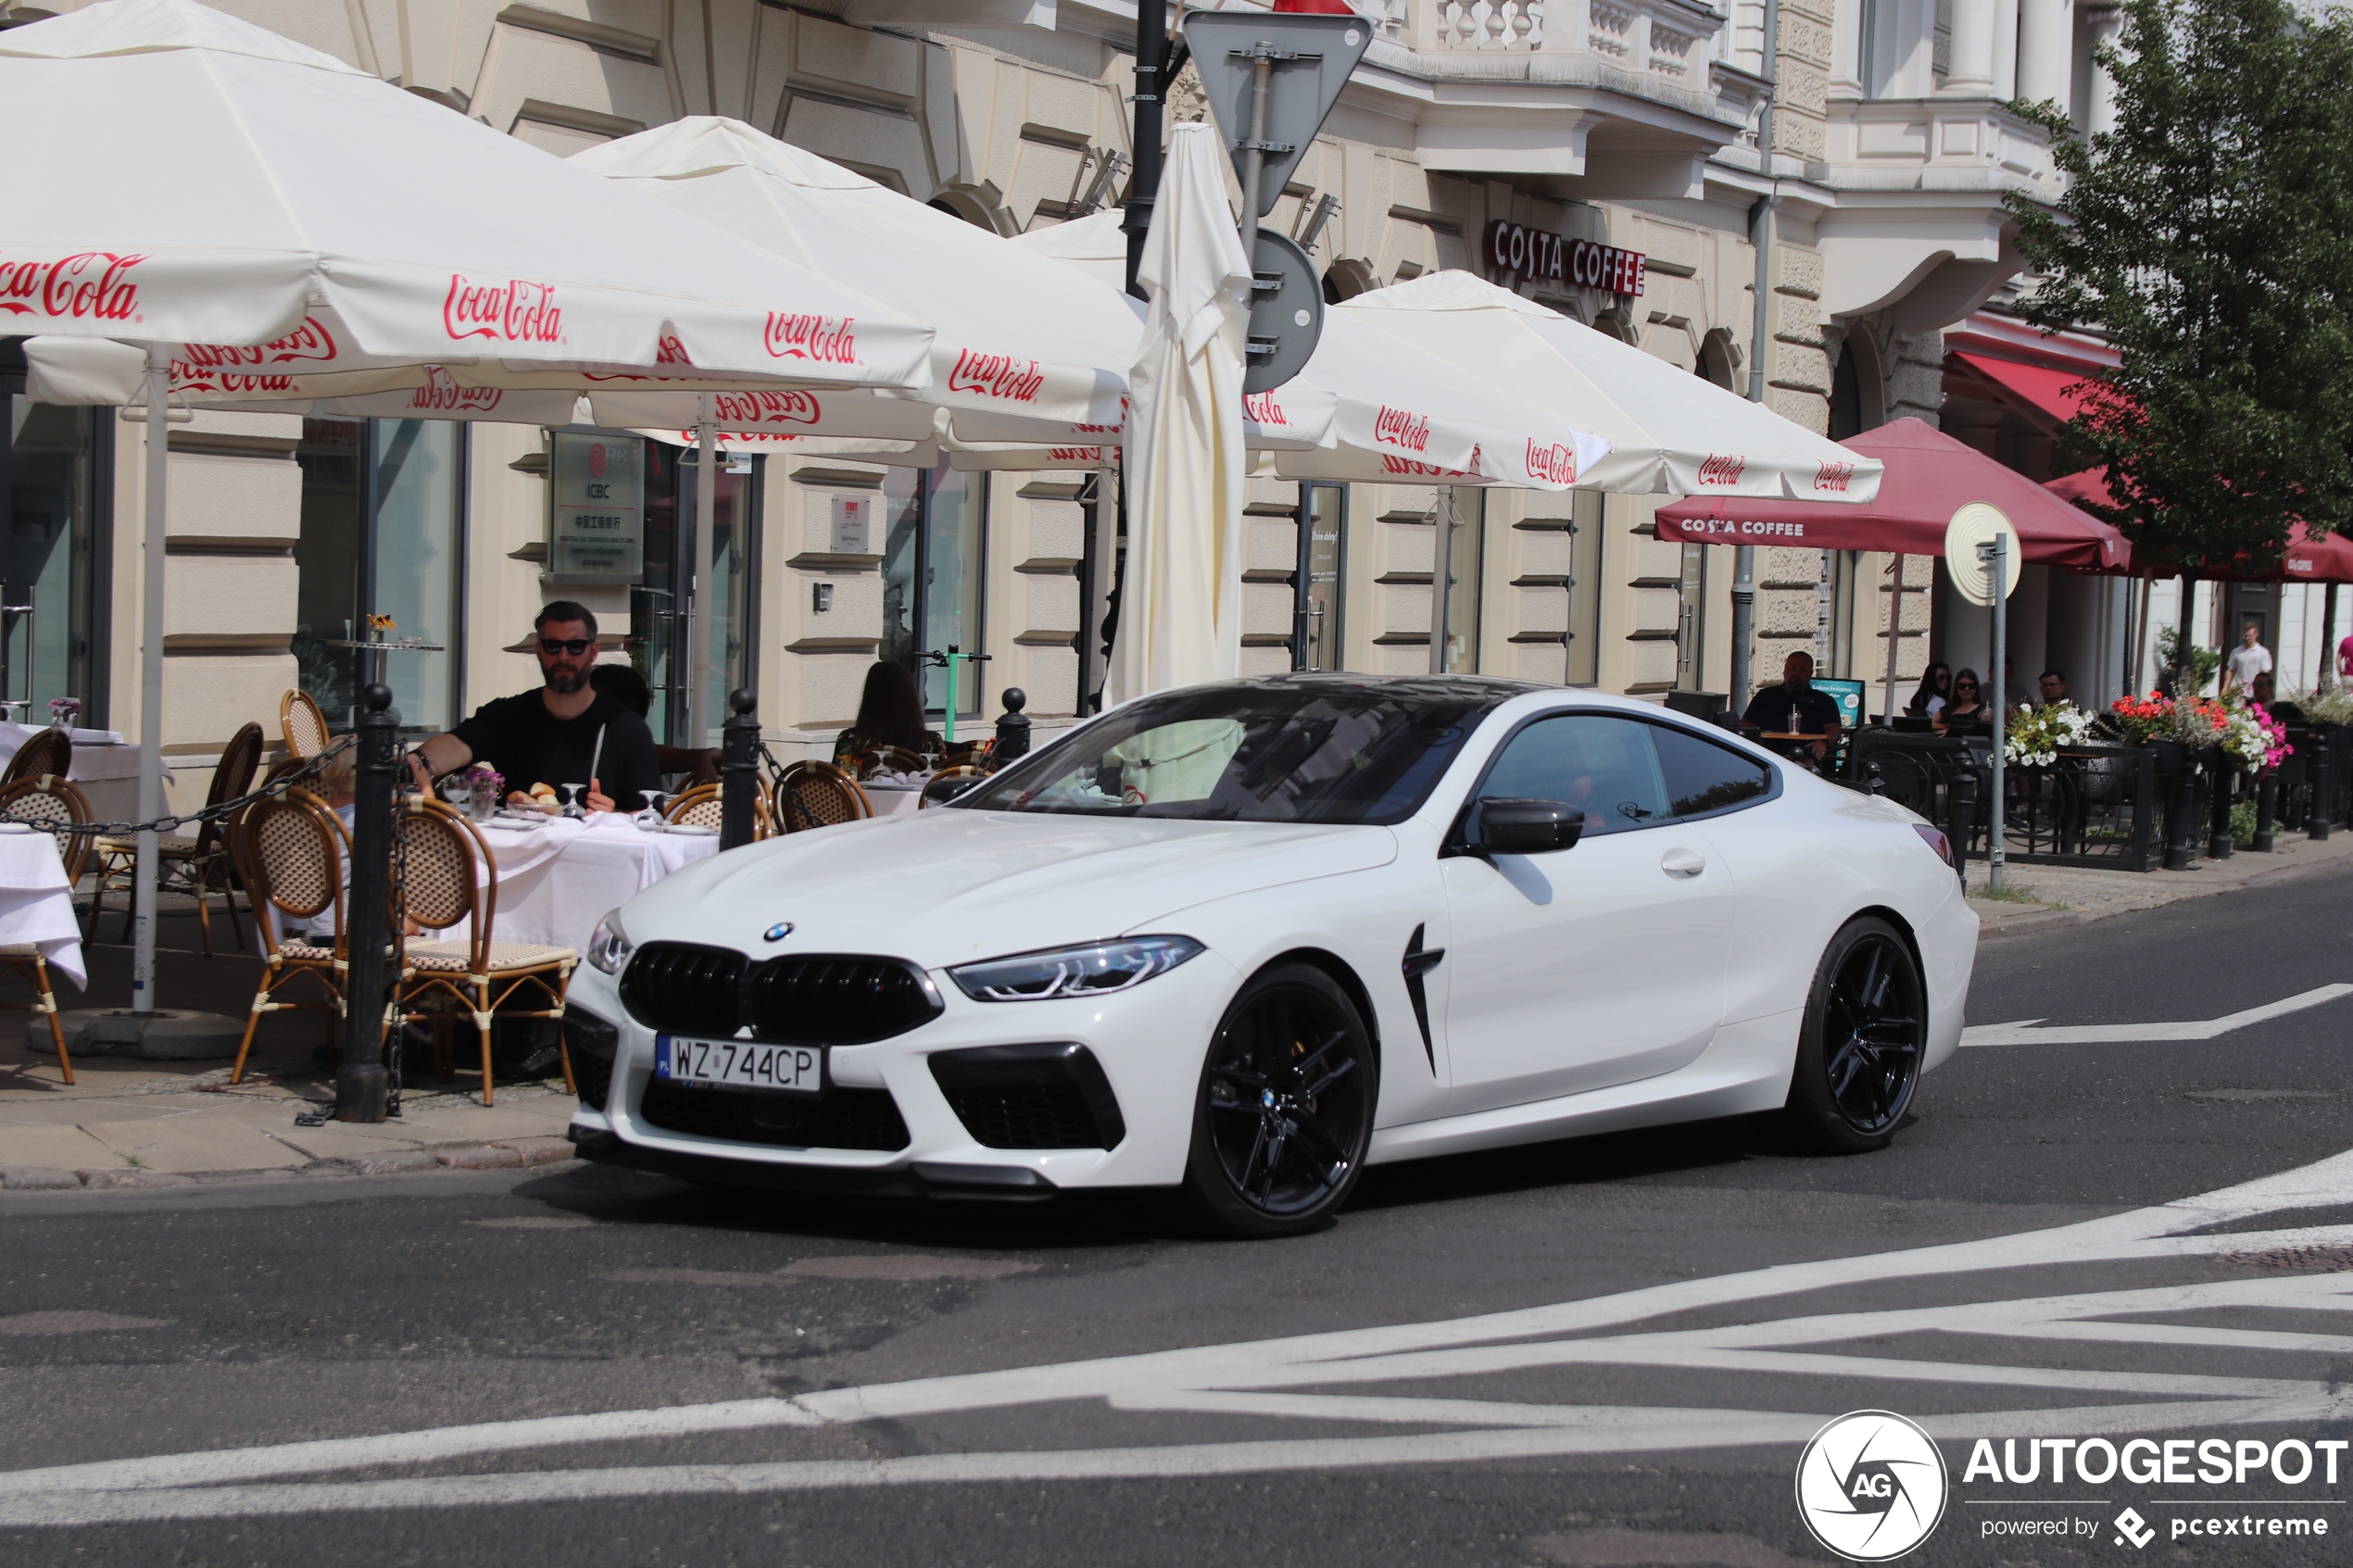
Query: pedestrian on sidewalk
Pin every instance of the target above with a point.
(2247, 660)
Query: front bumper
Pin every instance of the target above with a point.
(1149, 1044)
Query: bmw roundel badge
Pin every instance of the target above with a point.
(779, 931)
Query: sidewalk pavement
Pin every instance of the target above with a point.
(127, 1122)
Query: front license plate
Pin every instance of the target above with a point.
(740, 1064)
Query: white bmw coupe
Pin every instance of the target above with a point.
(1246, 939)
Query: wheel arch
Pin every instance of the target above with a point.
(1904, 928)
(1343, 974)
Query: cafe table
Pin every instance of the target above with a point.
(891, 799)
(557, 880)
(36, 902)
(104, 769)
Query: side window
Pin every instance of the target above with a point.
(1603, 764)
(1704, 776)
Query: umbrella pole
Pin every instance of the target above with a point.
(1895, 630)
(698, 620)
(142, 953)
(1441, 578)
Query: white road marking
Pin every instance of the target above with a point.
(1271, 1377)
(2030, 1031)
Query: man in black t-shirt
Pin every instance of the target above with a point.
(550, 735)
(1795, 708)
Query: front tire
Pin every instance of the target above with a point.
(1859, 1053)
(1284, 1114)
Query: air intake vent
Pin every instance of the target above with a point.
(866, 1119)
(682, 989)
(1031, 1096)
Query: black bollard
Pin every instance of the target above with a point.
(1960, 820)
(2218, 824)
(1012, 729)
(2181, 837)
(2319, 768)
(738, 770)
(2267, 801)
(362, 1088)
(1874, 779)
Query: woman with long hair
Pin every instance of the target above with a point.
(1968, 708)
(1936, 690)
(890, 713)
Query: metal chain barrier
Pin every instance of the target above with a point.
(309, 770)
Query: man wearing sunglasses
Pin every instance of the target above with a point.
(551, 735)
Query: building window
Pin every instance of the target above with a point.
(52, 635)
(1585, 589)
(1840, 569)
(933, 557)
(1323, 528)
(384, 529)
(656, 646)
(1460, 622)
(1691, 621)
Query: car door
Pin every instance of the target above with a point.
(1592, 965)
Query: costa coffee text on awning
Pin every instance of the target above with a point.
(1511, 247)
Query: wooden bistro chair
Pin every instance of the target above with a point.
(53, 805)
(50, 753)
(893, 759)
(700, 806)
(818, 794)
(302, 724)
(451, 877)
(291, 852)
(946, 784)
(196, 865)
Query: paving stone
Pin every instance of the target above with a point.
(36, 1178)
(196, 1141)
(122, 1178)
(479, 1157)
(540, 1151)
(393, 1164)
(52, 1147)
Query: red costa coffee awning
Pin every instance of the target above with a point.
(2307, 560)
(1929, 477)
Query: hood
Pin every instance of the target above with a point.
(946, 886)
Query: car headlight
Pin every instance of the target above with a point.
(610, 948)
(1073, 971)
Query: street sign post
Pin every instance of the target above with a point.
(1982, 556)
(1271, 79)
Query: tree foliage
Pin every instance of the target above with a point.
(2207, 235)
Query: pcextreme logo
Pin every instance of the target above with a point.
(1870, 1485)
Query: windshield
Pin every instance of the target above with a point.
(1322, 751)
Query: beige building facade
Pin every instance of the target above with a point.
(1627, 123)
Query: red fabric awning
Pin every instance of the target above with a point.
(2036, 389)
(2306, 559)
(1929, 477)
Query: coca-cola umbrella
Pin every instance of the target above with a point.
(241, 205)
(1670, 434)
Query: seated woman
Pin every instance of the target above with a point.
(1968, 710)
(890, 713)
(1935, 690)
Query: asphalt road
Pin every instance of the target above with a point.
(1607, 1351)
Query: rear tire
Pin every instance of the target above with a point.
(1860, 1048)
(1284, 1114)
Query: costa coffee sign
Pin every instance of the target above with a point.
(1532, 253)
(513, 311)
(94, 285)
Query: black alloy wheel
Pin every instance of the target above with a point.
(1285, 1111)
(1866, 1028)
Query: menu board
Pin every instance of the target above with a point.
(596, 491)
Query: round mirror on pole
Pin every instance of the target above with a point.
(1975, 524)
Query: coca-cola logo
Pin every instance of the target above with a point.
(1401, 427)
(1262, 408)
(669, 351)
(996, 375)
(755, 408)
(1556, 463)
(1419, 470)
(92, 285)
(442, 395)
(311, 341)
(228, 382)
(739, 438)
(1722, 467)
(1076, 457)
(1834, 476)
(513, 311)
(826, 340)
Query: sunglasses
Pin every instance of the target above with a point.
(575, 647)
(1958, 685)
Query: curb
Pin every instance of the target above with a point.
(511, 1154)
(1991, 924)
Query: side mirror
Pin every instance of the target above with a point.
(1521, 827)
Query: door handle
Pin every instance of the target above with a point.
(1684, 863)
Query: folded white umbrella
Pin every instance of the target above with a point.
(1364, 407)
(1012, 336)
(1180, 602)
(1670, 433)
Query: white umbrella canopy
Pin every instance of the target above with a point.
(1014, 338)
(1364, 407)
(1670, 433)
(292, 227)
(1180, 611)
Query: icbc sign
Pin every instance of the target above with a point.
(1534, 254)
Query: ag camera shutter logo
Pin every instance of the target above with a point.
(1871, 1485)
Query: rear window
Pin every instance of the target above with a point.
(1702, 776)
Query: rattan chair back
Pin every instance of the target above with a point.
(231, 776)
(291, 852)
(52, 805)
(51, 751)
(450, 875)
(302, 724)
(697, 807)
(946, 784)
(818, 794)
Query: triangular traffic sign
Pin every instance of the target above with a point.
(1310, 58)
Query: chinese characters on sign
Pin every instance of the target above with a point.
(597, 490)
(1534, 254)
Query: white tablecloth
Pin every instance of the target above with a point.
(889, 801)
(36, 902)
(555, 883)
(106, 774)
